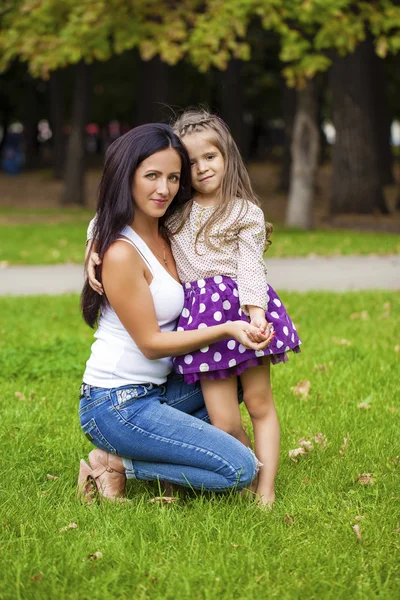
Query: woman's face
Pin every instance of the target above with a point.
(156, 182)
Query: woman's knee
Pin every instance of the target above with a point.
(245, 471)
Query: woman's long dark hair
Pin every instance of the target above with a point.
(115, 206)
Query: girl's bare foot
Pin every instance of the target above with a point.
(265, 499)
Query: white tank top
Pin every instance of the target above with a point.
(115, 359)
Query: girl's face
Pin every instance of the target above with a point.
(208, 165)
(156, 182)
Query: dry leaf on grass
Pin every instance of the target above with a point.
(358, 518)
(37, 577)
(31, 396)
(51, 477)
(95, 556)
(357, 531)
(397, 348)
(306, 444)
(393, 410)
(321, 368)
(320, 439)
(293, 454)
(363, 315)
(366, 479)
(163, 500)
(258, 579)
(395, 460)
(234, 545)
(68, 527)
(288, 519)
(386, 313)
(302, 389)
(343, 447)
(341, 342)
(364, 405)
(19, 395)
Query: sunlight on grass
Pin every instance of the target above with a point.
(208, 546)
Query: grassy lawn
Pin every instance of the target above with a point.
(205, 546)
(37, 237)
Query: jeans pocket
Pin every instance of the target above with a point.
(95, 436)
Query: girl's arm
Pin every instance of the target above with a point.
(124, 278)
(92, 259)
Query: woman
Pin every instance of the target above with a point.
(128, 408)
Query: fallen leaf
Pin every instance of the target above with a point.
(357, 531)
(366, 479)
(317, 368)
(306, 480)
(393, 410)
(362, 315)
(293, 454)
(235, 545)
(37, 577)
(306, 444)
(19, 395)
(51, 477)
(302, 388)
(320, 439)
(258, 579)
(364, 405)
(344, 445)
(31, 396)
(288, 519)
(95, 556)
(386, 313)
(397, 348)
(395, 460)
(70, 526)
(163, 500)
(358, 518)
(342, 342)
(396, 530)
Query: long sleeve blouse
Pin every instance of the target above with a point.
(240, 245)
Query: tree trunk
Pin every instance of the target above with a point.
(305, 154)
(152, 98)
(30, 123)
(74, 179)
(230, 97)
(57, 122)
(357, 180)
(289, 113)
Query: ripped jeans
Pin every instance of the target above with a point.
(163, 432)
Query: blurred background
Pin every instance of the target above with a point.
(310, 91)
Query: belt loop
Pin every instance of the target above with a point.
(85, 390)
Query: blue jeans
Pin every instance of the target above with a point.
(162, 432)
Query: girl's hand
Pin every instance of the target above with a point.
(94, 260)
(242, 331)
(263, 329)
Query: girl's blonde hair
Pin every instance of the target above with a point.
(235, 183)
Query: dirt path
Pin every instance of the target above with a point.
(338, 274)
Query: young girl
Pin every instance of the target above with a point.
(218, 241)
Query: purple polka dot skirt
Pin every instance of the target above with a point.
(213, 301)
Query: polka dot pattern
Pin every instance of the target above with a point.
(222, 359)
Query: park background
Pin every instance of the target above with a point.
(310, 90)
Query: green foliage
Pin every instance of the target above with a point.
(206, 546)
(49, 34)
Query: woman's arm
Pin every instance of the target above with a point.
(124, 279)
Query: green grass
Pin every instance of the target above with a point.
(205, 546)
(48, 236)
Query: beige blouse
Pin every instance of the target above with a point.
(239, 254)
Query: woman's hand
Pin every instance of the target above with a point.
(246, 333)
(93, 261)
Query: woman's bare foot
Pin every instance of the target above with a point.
(265, 498)
(111, 479)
